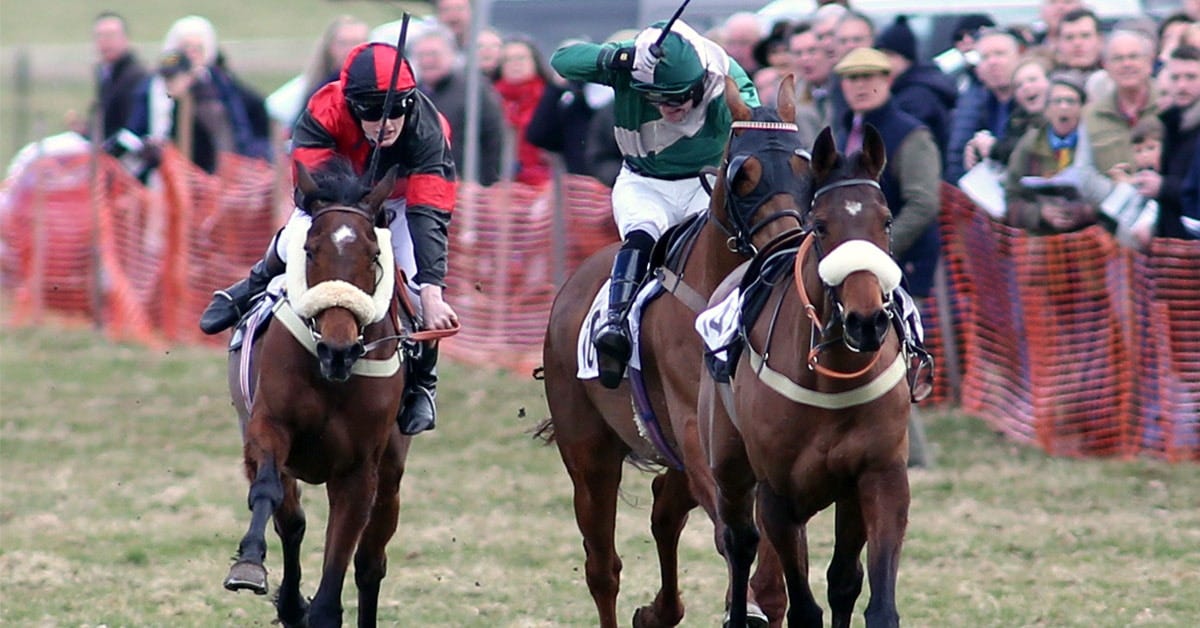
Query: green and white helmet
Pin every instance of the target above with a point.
(674, 77)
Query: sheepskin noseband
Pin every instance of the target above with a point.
(309, 301)
(855, 255)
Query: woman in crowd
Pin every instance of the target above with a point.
(340, 37)
(226, 116)
(523, 78)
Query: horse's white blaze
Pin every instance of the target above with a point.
(342, 237)
(853, 207)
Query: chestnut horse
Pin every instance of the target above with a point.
(819, 405)
(329, 383)
(757, 195)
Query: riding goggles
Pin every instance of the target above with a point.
(668, 100)
(372, 111)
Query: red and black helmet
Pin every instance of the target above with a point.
(365, 78)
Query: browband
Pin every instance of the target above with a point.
(765, 126)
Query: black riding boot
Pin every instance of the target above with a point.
(920, 363)
(228, 306)
(614, 347)
(418, 413)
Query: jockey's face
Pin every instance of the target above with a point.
(391, 130)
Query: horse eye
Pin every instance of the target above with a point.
(888, 225)
(820, 229)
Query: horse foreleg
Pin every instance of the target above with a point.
(788, 534)
(595, 470)
(350, 497)
(672, 502)
(845, 573)
(370, 561)
(740, 538)
(266, 493)
(766, 583)
(884, 497)
(290, 525)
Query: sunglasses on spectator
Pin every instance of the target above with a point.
(373, 111)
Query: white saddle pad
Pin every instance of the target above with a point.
(719, 324)
(597, 313)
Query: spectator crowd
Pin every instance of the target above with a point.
(1051, 126)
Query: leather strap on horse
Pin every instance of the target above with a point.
(872, 390)
(811, 311)
(363, 366)
(685, 293)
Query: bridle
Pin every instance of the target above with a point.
(826, 330)
(310, 323)
(770, 137)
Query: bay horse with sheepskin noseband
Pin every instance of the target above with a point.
(329, 384)
(819, 405)
(758, 195)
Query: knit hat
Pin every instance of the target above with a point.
(898, 38)
(970, 23)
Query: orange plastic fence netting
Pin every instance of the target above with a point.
(1067, 342)
(1073, 343)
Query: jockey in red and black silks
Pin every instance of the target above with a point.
(344, 119)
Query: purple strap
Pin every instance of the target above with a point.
(641, 403)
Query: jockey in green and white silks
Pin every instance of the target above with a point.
(671, 121)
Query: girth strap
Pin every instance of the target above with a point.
(365, 367)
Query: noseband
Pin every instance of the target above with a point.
(767, 137)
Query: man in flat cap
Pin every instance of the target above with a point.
(911, 179)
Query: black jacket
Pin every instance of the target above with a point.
(927, 94)
(1181, 127)
(115, 92)
(560, 125)
(449, 95)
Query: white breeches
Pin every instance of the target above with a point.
(654, 205)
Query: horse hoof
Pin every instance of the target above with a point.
(755, 618)
(249, 576)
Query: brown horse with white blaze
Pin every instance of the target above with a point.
(328, 378)
(757, 196)
(818, 406)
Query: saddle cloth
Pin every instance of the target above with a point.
(597, 313)
(718, 325)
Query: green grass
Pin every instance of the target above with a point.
(121, 501)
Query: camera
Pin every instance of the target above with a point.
(953, 61)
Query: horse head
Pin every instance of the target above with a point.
(765, 181)
(850, 228)
(344, 280)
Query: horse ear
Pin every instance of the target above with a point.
(375, 198)
(733, 98)
(786, 102)
(824, 154)
(874, 153)
(304, 181)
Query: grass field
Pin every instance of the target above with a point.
(121, 502)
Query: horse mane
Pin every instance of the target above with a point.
(337, 184)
